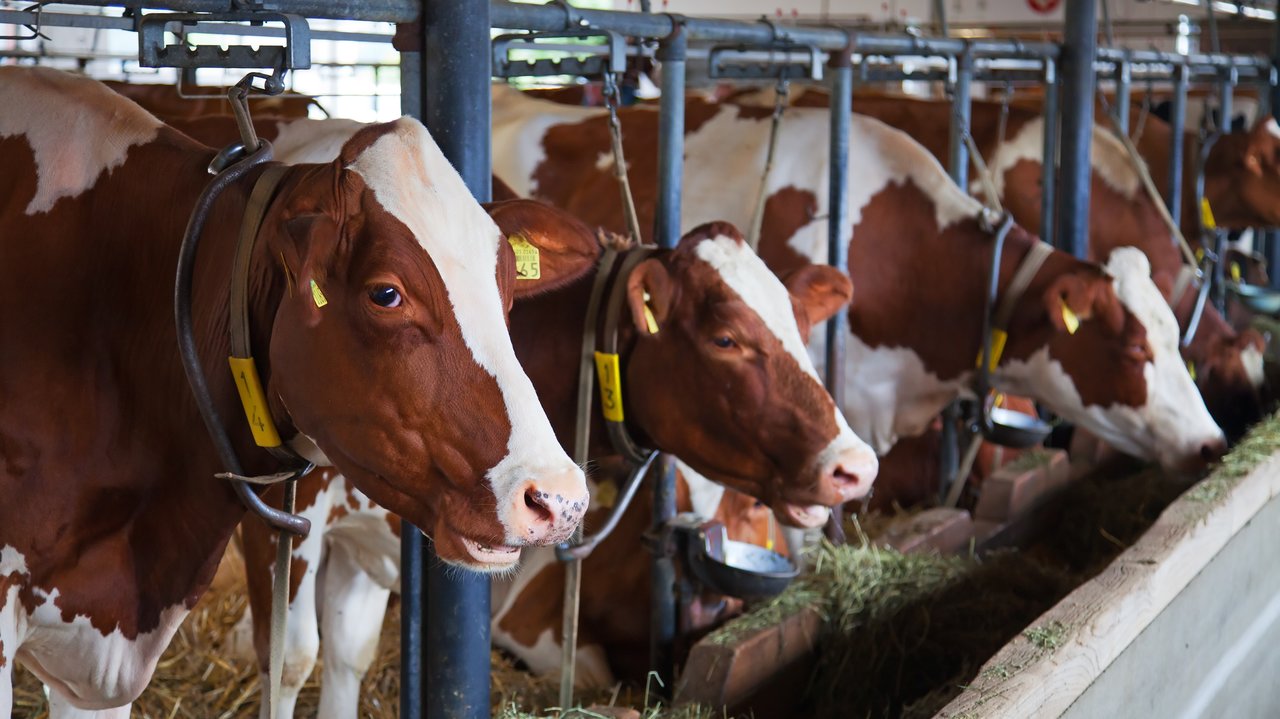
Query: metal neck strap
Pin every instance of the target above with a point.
(618, 434)
(993, 290)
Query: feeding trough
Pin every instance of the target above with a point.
(737, 569)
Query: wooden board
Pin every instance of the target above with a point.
(1103, 617)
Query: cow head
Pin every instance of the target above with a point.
(726, 384)
(1118, 372)
(390, 352)
(1243, 176)
(1229, 372)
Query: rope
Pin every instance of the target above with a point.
(611, 100)
(780, 97)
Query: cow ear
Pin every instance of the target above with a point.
(552, 248)
(305, 251)
(649, 295)
(1075, 297)
(819, 291)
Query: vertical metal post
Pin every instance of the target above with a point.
(412, 543)
(958, 167)
(456, 49)
(1178, 128)
(1078, 52)
(838, 209)
(1124, 89)
(961, 109)
(672, 52)
(1049, 161)
(1226, 98)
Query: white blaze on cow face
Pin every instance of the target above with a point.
(308, 140)
(746, 274)
(68, 163)
(462, 242)
(1173, 424)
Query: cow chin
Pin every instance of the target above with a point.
(802, 516)
(454, 548)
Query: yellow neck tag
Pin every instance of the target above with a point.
(998, 340)
(649, 319)
(1206, 215)
(317, 295)
(1191, 370)
(610, 375)
(1235, 272)
(1069, 318)
(528, 264)
(254, 400)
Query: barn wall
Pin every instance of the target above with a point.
(1215, 650)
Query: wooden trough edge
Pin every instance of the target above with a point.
(1043, 671)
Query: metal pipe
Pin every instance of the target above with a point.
(1077, 126)
(1226, 99)
(961, 110)
(412, 541)
(49, 18)
(456, 69)
(1124, 88)
(370, 10)
(1177, 126)
(841, 71)
(1049, 154)
(663, 593)
(552, 18)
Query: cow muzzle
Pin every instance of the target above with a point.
(548, 509)
(849, 473)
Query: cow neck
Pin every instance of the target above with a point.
(264, 429)
(612, 333)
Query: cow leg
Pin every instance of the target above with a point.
(61, 708)
(351, 623)
(6, 683)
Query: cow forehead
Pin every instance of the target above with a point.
(745, 274)
(413, 181)
(1138, 293)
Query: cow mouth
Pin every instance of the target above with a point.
(491, 556)
(806, 516)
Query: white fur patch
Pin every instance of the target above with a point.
(308, 140)
(12, 561)
(77, 128)
(704, 494)
(1253, 363)
(1107, 157)
(520, 122)
(1272, 127)
(432, 201)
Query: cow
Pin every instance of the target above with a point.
(1227, 363)
(750, 413)
(168, 104)
(377, 299)
(913, 343)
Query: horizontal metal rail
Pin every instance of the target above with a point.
(371, 10)
(106, 22)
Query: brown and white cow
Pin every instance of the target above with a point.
(1228, 363)
(749, 412)
(404, 375)
(918, 255)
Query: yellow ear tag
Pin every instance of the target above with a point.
(998, 340)
(1069, 318)
(649, 319)
(605, 495)
(249, 386)
(1199, 254)
(528, 263)
(317, 295)
(1235, 272)
(610, 375)
(1191, 370)
(1206, 214)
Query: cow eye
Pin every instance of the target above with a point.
(724, 342)
(385, 296)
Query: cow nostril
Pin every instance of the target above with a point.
(844, 478)
(537, 505)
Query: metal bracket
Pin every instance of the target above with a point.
(613, 62)
(736, 62)
(295, 54)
